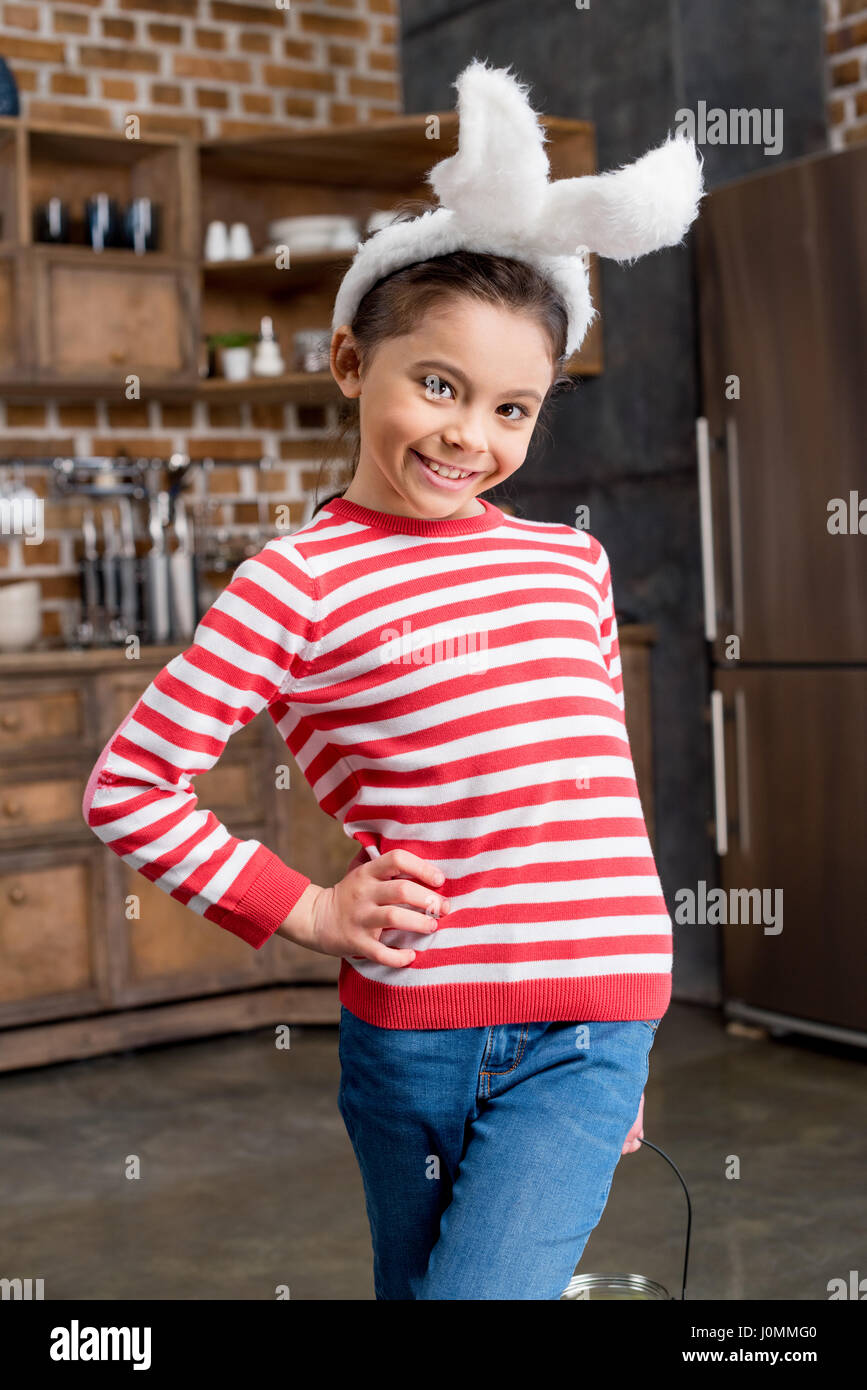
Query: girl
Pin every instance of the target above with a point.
(448, 679)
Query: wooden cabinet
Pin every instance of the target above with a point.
(72, 313)
(93, 955)
(93, 319)
(53, 954)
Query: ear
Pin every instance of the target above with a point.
(501, 159)
(631, 211)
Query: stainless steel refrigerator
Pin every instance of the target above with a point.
(782, 461)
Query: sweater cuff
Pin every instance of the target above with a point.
(267, 900)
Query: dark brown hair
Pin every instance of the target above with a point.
(396, 303)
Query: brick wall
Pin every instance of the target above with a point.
(846, 48)
(202, 68)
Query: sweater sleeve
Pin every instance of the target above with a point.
(608, 628)
(249, 647)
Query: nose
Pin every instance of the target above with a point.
(466, 433)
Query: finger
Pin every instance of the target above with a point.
(404, 919)
(401, 861)
(386, 955)
(405, 895)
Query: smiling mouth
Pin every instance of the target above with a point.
(464, 474)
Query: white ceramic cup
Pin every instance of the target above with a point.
(216, 242)
(240, 242)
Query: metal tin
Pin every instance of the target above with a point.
(614, 1286)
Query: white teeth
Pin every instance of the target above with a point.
(446, 472)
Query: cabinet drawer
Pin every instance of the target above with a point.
(168, 950)
(101, 318)
(41, 804)
(50, 963)
(31, 719)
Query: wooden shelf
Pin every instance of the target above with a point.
(296, 386)
(76, 322)
(174, 388)
(109, 141)
(111, 255)
(382, 155)
(306, 268)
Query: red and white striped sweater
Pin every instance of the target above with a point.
(452, 687)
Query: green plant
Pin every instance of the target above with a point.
(229, 340)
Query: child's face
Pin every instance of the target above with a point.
(464, 389)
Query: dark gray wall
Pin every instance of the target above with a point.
(624, 442)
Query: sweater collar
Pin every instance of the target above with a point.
(345, 510)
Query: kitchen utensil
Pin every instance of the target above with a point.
(157, 569)
(51, 221)
(109, 574)
(90, 628)
(20, 616)
(128, 570)
(102, 221)
(97, 476)
(184, 577)
(141, 225)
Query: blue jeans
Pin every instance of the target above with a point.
(487, 1154)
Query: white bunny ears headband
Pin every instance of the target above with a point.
(495, 197)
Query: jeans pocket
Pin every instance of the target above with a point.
(652, 1023)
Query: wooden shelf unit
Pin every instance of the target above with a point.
(75, 322)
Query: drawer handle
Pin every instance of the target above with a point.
(12, 809)
(11, 721)
(17, 894)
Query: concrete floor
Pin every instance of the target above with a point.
(248, 1180)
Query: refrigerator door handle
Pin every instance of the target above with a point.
(742, 765)
(737, 541)
(702, 440)
(717, 719)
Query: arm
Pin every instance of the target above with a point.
(249, 648)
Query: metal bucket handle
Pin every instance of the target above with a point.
(647, 1142)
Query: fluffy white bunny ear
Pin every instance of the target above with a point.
(630, 211)
(501, 160)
